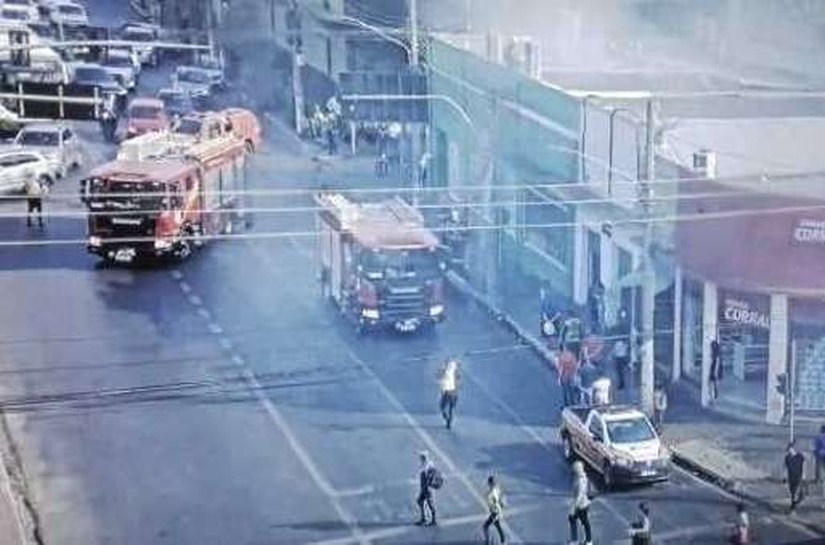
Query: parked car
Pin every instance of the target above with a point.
(177, 102)
(27, 7)
(18, 166)
(142, 32)
(56, 141)
(194, 80)
(68, 14)
(120, 65)
(146, 115)
(618, 442)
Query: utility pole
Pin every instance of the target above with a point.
(414, 32)
(649, 275)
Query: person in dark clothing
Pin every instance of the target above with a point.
(108, 125)
(715, 368)
(621, 360)
(795, 467)
(495, 505)
(819, 454)
(425, 491)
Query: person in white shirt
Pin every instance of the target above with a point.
(495, 504)
(449, 380)
(580, 506)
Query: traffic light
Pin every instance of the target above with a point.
(782, 384)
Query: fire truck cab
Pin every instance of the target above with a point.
(379, 263)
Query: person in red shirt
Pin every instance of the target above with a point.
(567, 366)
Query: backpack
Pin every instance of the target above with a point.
(436, 479)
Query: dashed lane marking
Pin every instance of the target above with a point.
(176, 274)
(185, 287)
(214, 328)
(195, 300)
(203, 313)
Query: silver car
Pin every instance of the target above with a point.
(195, 81)
(18, 166)
(56, 141)
(120, 65)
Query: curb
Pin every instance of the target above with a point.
(735, 488)
(536, 345)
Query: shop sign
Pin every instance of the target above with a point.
(808, 231)
(739, 311)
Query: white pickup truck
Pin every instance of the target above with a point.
(619, 442)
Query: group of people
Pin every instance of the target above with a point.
(325, 123)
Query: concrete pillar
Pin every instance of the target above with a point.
(609, 275)
(688, 335)
(777, 357)
(580, 260)
(710, 311)
(676, 372)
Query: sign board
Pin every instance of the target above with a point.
(809, 231)
(740, 310)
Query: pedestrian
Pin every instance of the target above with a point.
(428, 480)
(571, 335)
(741, 534)
(567, 366)
(580, 506)
(495, 505)
(34, 200)
(108, 125)
(659, 405)
(621, 360)
(449, 379)
(640, 530)
(795, 467)
(715, 368)
(819, 456)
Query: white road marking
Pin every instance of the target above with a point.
(305, 459)
(185, 287)
(176, 274)
(225, 343)
(396, 531)
(427, 438)
(215, 329)
(195, 300)
(203, 313)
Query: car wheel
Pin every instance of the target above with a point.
(567, 448)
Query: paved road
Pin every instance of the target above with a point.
(222, 401)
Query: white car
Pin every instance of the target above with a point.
(141, 32)
(67, 13)
(197, 82)
(18, 166)
(23, 10)
(56, 141)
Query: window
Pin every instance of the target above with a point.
(631, 430)
(67, 135)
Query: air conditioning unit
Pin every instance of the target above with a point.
(524, 54)
(704, 164)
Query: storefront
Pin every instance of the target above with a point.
(753, 279)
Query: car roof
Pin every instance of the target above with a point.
(88, 65)
(619, 412)
(20, 150)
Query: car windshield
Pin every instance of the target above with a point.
(137, 35)
(194, 76)
(144, 112)
(395, 264)
(38, 138)
(631, 430)
(18, 2)
(68, 9)
(119, 61)
(118, 194)
(189, 126)
(98, 75)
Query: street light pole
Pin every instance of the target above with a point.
(648, 284)
(414, 32)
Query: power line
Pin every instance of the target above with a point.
(677, 218)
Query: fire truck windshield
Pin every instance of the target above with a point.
(119, 195)
(398, 264)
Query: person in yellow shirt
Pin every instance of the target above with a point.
(495, 504)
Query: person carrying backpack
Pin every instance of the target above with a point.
(429, 479)
(495, 504)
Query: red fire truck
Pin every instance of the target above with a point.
(379, 263)
(166, 205)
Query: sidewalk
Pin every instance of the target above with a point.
(725, 445)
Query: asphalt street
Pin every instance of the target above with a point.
(223, 401)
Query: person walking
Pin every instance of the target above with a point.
(640, 530)
(568, 371)
(449, 379)
(427, 477)
(580, 506)
(715, 368)
(495, 505)
(34, 201)
(741, 534)
(621, 360)
(659, 405)
(795, 468)
(819, 456)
